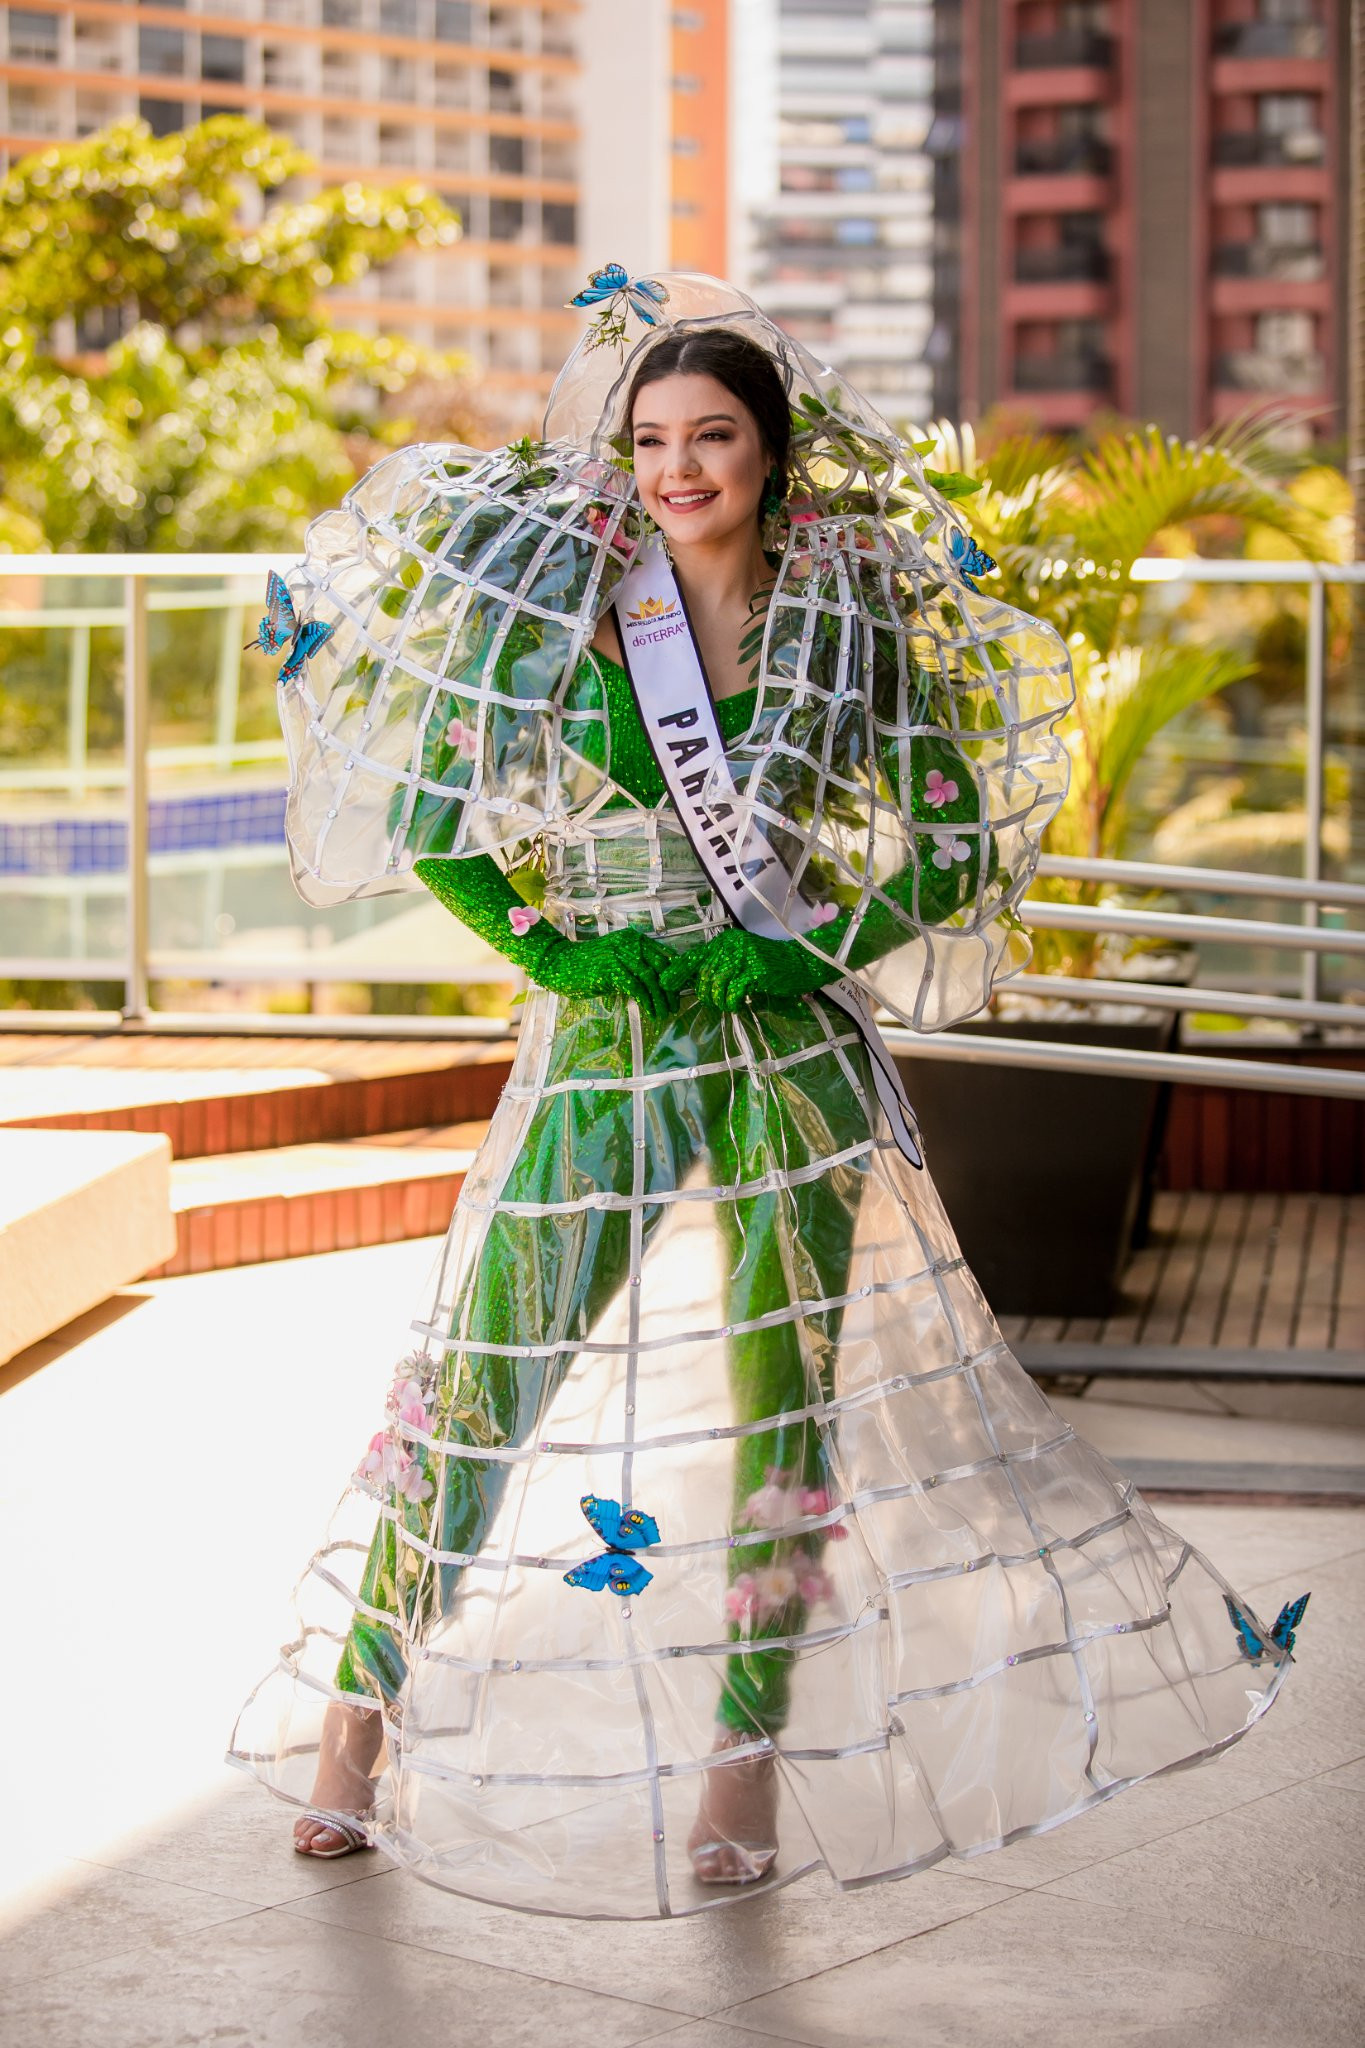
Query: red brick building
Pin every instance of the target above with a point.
(1141, 207)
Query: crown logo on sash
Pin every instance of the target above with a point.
(651, 608)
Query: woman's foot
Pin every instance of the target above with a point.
(734, 1837)
(352, 1738)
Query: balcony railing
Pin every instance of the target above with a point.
(1271, 39)
(1063, 50)
(1247, 148)
(1252, 370)
(1303, 264)
(1062, 373)
(76, 831)
(1061, 156)
(1061, 264)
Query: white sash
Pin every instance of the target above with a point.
(679, 716)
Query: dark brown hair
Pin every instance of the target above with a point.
(746, 370)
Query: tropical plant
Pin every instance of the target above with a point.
(1065, 526)
(169, 378)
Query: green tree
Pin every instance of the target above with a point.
(225, 409)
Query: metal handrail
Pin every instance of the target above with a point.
(1309, 890)
(1173, 924)
(1159, 995)
(1271, 1077)
(1144, 874)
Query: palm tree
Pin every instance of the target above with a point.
(1066, 526)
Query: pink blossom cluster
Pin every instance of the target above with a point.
(783, 1498)
(386, 1460)
(757, 1595)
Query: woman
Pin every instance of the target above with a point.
(713, 1523)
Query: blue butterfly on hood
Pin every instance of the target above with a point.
(281, 625)
(1281, 1635)
(623, 1530)
(643, 295)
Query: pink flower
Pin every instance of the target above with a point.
(815, 1500)
(741, 1600)
(777, 1585)
(837, 1532)
(937, 791)
(769, 1507)
(521, 917)
(412, 1483)
(801, 512)
(816, 1586)
(464, 738)
(948, 849)
(383, 1460)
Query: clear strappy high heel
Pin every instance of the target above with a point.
(748, 1860)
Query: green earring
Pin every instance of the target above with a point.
(774, 497)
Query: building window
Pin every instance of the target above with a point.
(1284, 334)
(397, 78)
(398, 17)
(1283, 226)
(506, 218)
(559, 222)
(454, 21)
(223, 58)
(161, 52)
(342, 13)
(504, 92)
(163, 117)
(507, 154)
(34, 38)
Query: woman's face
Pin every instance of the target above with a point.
(700, 463)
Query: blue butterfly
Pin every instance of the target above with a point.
(970, 560)
(642, 294)
(307, 640)
(623, 1530)
(1282, 1634)
(281, 626)
(280, 623)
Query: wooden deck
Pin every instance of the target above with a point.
(1259, 1273)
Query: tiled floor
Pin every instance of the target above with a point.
(165, 1468)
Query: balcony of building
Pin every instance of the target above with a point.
(1062, 156)
(1256, 277)
(1275, 39)
(1064, 49)
(1243, 148)
(1063, 372)
(1260, 372)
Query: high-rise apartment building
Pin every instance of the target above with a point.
(842, 242)
(1141, 207)
(479, 99)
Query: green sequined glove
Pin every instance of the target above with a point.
(736, 965)
(624, 963)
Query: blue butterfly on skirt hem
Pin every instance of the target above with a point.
(1281, 1635)
(623, 1530)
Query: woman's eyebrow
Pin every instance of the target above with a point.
(654, 426)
